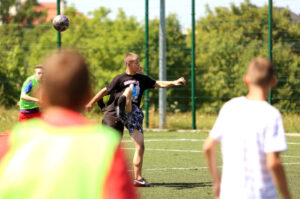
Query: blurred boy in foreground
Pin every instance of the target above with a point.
(63, 155)
(252, 136)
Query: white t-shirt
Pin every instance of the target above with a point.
(248, 130)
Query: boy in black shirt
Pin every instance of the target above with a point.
(123, 107)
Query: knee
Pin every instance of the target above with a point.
(128, 90)
(141, 148)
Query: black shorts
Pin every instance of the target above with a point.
(113, 122)
(134, 120)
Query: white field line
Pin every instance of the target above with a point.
(206, 131)
(292, 134)
(169, 140)
(292, 143)
(197, 151)
(291, 163)
(290, 156)
(164, 169)
(187, 140)
(173, 150)
(198, 168)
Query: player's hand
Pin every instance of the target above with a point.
(89, 107)
(40, 102)
(180, 81)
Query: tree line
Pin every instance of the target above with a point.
(226, 40)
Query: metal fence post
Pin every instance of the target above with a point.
(146, 60)
(58, 33)
(270, 42)
(193, 67)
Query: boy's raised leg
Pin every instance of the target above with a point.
(124, 104)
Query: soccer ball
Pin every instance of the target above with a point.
(61, 23)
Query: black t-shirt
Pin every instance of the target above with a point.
(121, 82)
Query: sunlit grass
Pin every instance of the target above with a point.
(8, 117)
(204, 121)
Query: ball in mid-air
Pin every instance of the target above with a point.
(61, 23)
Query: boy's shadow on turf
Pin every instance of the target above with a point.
(183, 185)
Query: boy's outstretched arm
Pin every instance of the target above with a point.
(96, 98)
(276, 169)
(209, 148)
(168, 84)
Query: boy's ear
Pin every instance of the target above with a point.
(273, 82)
(87, 97)
(43, 97)
(85, 100)
(246, 80)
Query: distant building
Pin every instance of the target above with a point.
(49, 7)
(14, 9)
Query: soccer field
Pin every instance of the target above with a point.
(174, 163)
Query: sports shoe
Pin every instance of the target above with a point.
(141, 183)
(121, 112)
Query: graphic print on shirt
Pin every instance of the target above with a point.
(135, 86)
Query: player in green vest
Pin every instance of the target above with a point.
(29, 102)
(63, 155)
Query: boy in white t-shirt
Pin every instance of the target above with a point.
(251, 134)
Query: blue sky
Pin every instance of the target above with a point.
(180, 7)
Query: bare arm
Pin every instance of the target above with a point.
(26, 97)
(168, 84)
(276, 169)
(209, 148)
(96, 98)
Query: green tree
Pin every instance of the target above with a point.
(12, 59)
(5, 5)
(177, 62)
(228, 38)
(15, 49)
(26, 13)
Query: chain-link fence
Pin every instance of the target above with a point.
(227, 38)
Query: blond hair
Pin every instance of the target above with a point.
(260, 71)
(130, 57)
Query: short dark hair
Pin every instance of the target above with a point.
(66, 79)
(260, 71)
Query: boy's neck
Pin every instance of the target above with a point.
(257, 94)
(129, 72)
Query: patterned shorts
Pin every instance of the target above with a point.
(134, 120)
